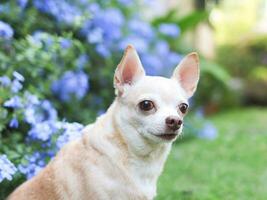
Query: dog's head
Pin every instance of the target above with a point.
(152, 107)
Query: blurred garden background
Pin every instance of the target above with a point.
(57, 59)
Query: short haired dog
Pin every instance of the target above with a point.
(122, 154)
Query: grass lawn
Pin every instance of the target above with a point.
(233, 166)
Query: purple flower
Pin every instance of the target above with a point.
(71, 84)
(105, 25)
(36, 112)
(174, 59)
(65, 43)
(209, 131)
(95, 35)
(94, 8)
(110, 20)
(46, 111)
(35, 163)
(162, 48)
(152, 64)
(82, 61)
(171, 30)
(31, 99)
(16, 86)
(14, 123)
(14, 102)
(41, 131)
(139, 43)
(71, 131)
(103, 50)
(7, 168)
(6, 32)
(63, 10)
(16, 83)
(18, 76)
(141, 28)
(5, 81)
(29, 114)
(22, 3)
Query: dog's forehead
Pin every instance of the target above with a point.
(158, 86)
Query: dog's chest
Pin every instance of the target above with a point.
(136, 181)
(144, 175)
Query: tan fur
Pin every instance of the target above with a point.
(83, 171)
(121, 155)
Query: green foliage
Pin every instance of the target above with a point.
(186, 22)
(245, 55)
(191, 20)
(231, 167)
(247, 60)
(44, 59)
(214, 90)
(216, 71)
(256, 84)
(259, 74)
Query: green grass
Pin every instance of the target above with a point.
(233, 166)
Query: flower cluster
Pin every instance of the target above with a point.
(53, 135)
(169, 29)
(110, 30)
(7, 168)
(6, 32)
(34, 163)
(16, 84)
(71, 84)
(44, 128)
(62, 10)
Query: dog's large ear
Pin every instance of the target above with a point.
(129, 70)
(187, 73)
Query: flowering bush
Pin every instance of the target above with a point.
(57, 60)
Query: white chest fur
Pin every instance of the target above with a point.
(145, 171)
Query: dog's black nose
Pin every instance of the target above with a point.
(173, 122)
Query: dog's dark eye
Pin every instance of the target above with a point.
(146, 105)
(183, 107)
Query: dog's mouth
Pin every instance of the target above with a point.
(167, 136)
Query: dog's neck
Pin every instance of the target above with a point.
(143, 159)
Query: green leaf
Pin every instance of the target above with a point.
(186, 22)
(192, 20)
(216, 71)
